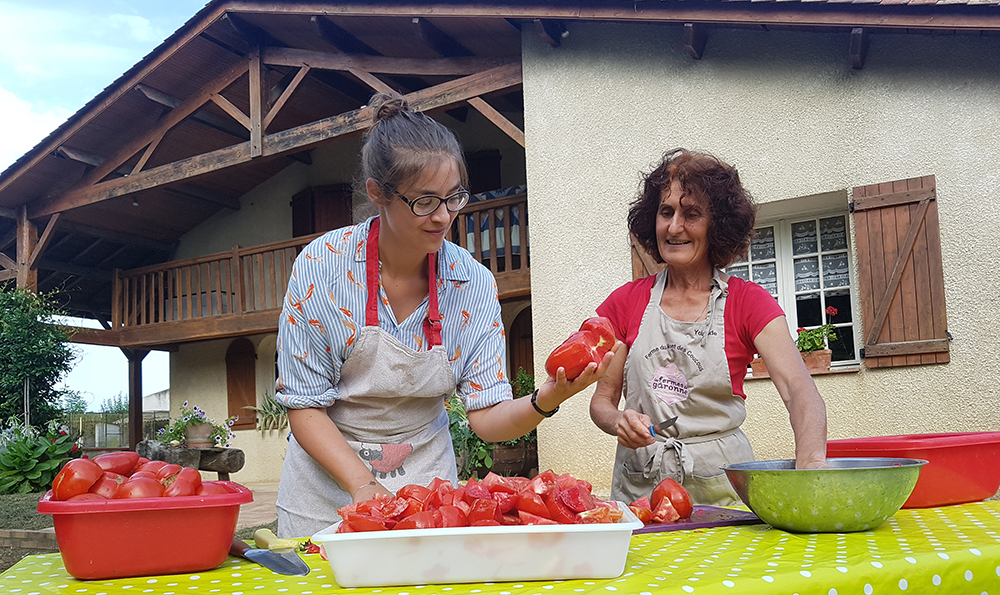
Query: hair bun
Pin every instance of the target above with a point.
(386, 106)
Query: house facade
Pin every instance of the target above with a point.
(850, 125)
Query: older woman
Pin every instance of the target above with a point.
(690, 332)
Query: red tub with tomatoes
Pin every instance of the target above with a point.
(116, 516)
(500, 529)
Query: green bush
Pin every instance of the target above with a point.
(271, 415)
(29, 461)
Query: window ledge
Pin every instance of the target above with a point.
(838, 370)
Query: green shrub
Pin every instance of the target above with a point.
(271, 415)
(29, 461)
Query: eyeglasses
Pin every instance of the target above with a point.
(428, 203)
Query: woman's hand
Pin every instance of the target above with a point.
(369, 490)
(554, 391)
(632, 429)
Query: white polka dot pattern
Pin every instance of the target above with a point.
(947, 550)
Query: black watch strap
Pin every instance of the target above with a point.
(534, 403)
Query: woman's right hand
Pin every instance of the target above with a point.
(632, 429)
(368, 491)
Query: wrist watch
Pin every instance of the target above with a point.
(534, 403)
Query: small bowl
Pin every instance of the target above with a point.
(854, 494)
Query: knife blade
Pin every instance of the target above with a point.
(289, 563)
(663, 425)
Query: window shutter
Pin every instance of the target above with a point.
(643, 265)
(900, 273)
(241, 383)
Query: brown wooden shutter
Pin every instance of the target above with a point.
(321, 208)
(241, 383)
(643, 265)
(900, 273)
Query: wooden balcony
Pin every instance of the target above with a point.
(239, 292)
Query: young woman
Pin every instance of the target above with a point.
(690, 333)
(381, 323)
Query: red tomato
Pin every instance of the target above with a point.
(140, 487)
(185, 483)
(152, 466)
(484, 511)
(680, 499)
(107, 485)
(595, 515)
(167, 470)
(210, 488)
(148, 474)
(542, 484)
(121, 463)
(496, 483)
(589, 344)
(510, 518)
(142, 461)
(452, 516)
(360, 522)
(664, 512)
(505, 501)
(414, 492)
(576, 498)
(533, 519)
(75, 478)
(558, 511)
(642, 510)
(476, 490)
(531, 503)
(425, 519)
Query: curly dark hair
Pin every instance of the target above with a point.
(732, 208)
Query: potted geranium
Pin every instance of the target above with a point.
(194, 429)
(812, 345)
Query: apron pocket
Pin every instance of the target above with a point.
(712, 491)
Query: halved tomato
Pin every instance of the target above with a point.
(679, 497)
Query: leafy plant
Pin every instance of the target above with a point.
(116, 405)
(29, 460)
(816, 338)
(471, 451)
(176, 433)
(32, 346)
(271, 415)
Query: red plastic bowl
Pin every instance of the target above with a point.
(963, 467)
(145, 536)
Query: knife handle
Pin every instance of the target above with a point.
(238, 547)
(652, 431)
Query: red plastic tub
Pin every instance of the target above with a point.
(963, 467)
(145, 536)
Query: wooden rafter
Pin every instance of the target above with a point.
(75, 269)
(228, 107)
(43, 241)
(285, 94)
(256, 103)
(27, 238)
(291, 140)
(201, 116)
(339, 38)
(8, 238)
(371, 80)
(197, 193)
(497, 118)
(276, 56)
(8, 274)
(437, 40)
(116, 236)
(7, 263)
(8, 213)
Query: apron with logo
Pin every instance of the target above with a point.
(680, 369)
(391, 411)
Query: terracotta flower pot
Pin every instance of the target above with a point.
(199, 436)
(815, 361)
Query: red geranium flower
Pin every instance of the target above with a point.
(831, 311)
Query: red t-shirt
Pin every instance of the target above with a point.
(749, 307)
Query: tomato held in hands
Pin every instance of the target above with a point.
(75, 478)
(673, 492)
(589, 344)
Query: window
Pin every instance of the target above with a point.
(805, 263)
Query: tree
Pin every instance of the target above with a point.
(32, 346)
(73, 402)
(117, 405)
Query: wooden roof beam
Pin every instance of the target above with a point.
(437, 40)
(43, 241)
(694, 39)
(8, 213)
(340, 38)
(7, 262)
(7, 239)
(291, 140)
(497, 118)
(198, 193)
(116, 236)
(278, 56)
(201, 116)
(75, 269)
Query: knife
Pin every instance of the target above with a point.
(663, 425)
(289, 563)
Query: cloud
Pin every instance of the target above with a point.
(24, 126)
(140, 28)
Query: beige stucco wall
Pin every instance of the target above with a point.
(786, 109)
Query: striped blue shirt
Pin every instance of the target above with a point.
(324, 308)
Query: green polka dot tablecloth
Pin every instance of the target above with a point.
(953, 549)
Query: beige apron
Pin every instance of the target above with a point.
(391, 411)
(680, 369)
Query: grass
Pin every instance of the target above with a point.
(18, 511)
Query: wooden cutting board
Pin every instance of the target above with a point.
(703, 517)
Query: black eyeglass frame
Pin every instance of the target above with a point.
(412, 203)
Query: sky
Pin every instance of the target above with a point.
(55, 56)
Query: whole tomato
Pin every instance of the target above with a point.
(108, 484)
(208, 488)
(75, 478)
(675, 493)
(121, 463)
(589, 344)
(185, 483)
(140, 487)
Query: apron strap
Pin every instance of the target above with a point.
(652, 470)
(432, 323)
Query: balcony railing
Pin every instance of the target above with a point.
(250, 280)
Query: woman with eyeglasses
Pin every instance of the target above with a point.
(381, 323)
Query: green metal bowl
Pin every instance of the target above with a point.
(854, 494)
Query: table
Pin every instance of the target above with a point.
(954, 549)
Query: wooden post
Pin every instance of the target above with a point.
(135, 357)
(27, 239)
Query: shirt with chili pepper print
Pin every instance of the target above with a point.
(324, 308)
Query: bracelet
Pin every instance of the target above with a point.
(369, 484)
(534, 403)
